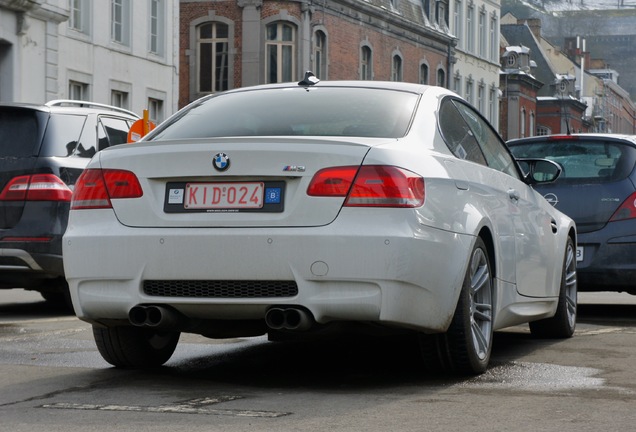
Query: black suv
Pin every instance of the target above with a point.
(43, 150)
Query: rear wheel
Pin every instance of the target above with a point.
(563, 323)
(466, 346)
(135, 347)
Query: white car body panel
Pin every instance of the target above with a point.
(407, 275)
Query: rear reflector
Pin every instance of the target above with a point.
(37, 187)
(95, 188)
(627, 210)
(370, 186)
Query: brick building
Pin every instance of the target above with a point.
(237, 43)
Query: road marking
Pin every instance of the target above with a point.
(193, 406)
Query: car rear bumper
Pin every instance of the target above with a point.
(609, 262)
(406, 275)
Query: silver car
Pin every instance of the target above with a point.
(303, 208)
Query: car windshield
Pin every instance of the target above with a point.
(326, 111)
(583, 160)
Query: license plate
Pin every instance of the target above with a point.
(579, 253)
(210, 196)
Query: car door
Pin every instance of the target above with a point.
(533, 225)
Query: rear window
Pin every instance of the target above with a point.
(583, 160)
(326, 111)
(62, 134)
(20, 131)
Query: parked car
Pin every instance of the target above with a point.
(303, 208)
(44, 149)
(596, 189)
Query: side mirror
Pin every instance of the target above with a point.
(537, 171)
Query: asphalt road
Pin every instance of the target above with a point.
(53, 379)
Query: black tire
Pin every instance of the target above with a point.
(563, 323)
(135, 347)
(466, 346)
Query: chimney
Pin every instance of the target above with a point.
(535, 26)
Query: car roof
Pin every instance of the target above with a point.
(582, 136)
(72, 106)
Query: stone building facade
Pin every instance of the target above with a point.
(227, 44)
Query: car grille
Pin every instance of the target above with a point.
(220, 288)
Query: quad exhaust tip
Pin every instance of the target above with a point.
(288, 318)
(153, 316)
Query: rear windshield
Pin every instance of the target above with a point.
(326, 111)
(584, 160)
(21, 131)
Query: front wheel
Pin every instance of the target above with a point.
(563, 323)
(135, 347)
(466, 346)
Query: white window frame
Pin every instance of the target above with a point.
(470, 28)
(156, 27)
(458, 23)
(482, 33)
(283, 72)
(216, 83)
(120, 16)
(80, 16)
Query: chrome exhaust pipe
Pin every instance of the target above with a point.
(137, 315)
(275, 318)
(291, 318)
(153, 316)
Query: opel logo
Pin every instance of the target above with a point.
(552, 199)
(221, 162)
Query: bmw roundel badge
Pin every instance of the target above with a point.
(221, 162)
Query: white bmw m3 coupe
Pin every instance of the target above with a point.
(305, 208)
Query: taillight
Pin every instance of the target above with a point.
(627, 210)
(373, 186)
(334, 182)
(36, 187)
(95, 188)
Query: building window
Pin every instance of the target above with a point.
(457, 83)
(396, 68)
(79, 19)
(492, 100)
(441, 13)
(423, 73)
(458, 22)
(522, 124)
(120, 21)
(470, 28)
(481, 103)
(320, 54)
(543, 130)
(366, 63)
(494, 44)
(157, 26)
(441, 77)
(469, 91)
(531, 126)
(280, 48)
(482, 33)
(212, 55)
(155, 110)
(119, 99)
(77, 90)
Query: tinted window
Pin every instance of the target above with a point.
(583, 160)
(493, 148)
(112, 131)
(20, 131)
(62, 134)
(458, 135)
(325, 111)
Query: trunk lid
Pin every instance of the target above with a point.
(275, 172)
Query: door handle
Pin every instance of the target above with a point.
(513, 194)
